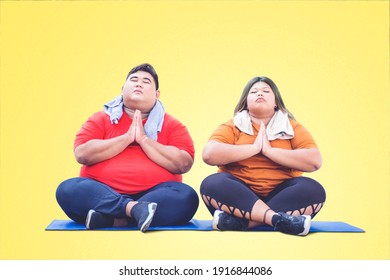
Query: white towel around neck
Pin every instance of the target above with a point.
(279, 126)
(154, 123)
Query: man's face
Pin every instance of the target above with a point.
(139, 92)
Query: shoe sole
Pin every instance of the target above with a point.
(306, 225)
(216, 219)
(152, 209)
(88, 219)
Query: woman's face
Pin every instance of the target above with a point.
(261, 99)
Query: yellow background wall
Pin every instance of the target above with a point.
(62, 60)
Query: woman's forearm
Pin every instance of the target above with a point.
(215, 153)
(306, 160)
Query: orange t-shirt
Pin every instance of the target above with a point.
(261, 174)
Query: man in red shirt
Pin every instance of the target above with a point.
(131, 162)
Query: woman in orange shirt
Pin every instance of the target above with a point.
(261, 154)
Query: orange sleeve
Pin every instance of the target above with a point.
(225, 133)
(302, 137)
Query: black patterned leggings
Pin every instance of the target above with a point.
(297, 196)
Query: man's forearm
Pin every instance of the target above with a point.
(171, 158)
(97, 150)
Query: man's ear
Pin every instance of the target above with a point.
(157, 93)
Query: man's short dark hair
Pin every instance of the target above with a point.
(145, 67)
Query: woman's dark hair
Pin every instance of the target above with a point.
(242, 103)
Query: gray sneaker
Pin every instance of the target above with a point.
(223, 221)
(96, 220)
(297, 225)
(143, 213)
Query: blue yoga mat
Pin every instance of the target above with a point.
(206, 225)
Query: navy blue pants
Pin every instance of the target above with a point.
(293, 194)
(176, 202)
